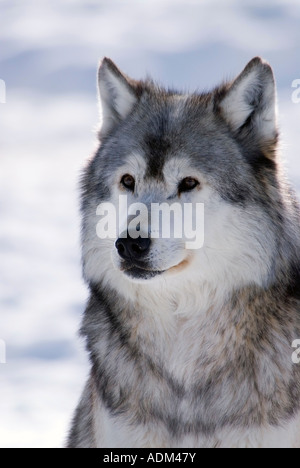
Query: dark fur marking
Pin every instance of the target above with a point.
(157, 145)
(294, 285)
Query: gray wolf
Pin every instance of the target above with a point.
(191, 348)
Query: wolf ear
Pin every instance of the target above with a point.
(249, 104)
(117, 96)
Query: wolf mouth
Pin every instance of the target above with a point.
(141, 273)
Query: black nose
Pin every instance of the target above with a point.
(133, 249)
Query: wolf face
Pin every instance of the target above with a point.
(217, 150)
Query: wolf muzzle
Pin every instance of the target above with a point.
(133, 249)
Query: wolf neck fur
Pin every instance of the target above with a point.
(181, 354)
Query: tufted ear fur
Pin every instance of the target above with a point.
(117, 95)
(249, 104)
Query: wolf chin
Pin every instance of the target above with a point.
(191, 348)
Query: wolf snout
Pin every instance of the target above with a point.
(133, 249)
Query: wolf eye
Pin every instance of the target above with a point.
(188, 184)
(128, 182)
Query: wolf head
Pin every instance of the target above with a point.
(216, 150)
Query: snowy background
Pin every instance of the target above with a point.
(48, 58)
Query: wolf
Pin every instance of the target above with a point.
(191, 348)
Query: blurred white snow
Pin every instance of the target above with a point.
(48, 60)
